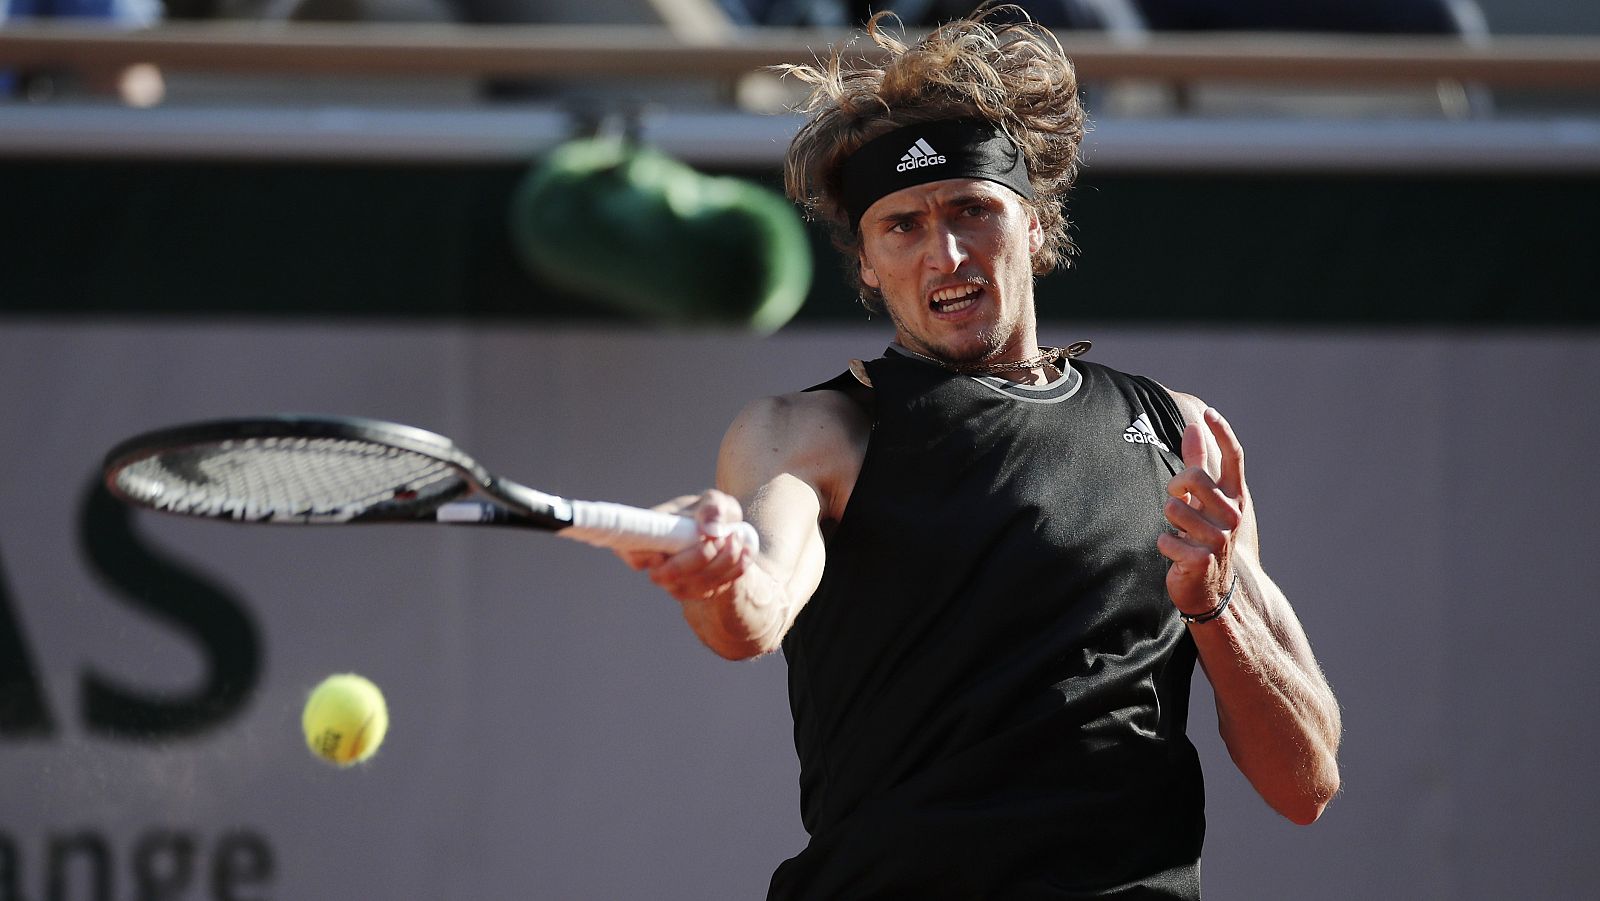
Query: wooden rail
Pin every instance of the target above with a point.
(597, 52)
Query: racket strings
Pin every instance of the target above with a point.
(288, 479)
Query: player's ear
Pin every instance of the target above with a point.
(869, 276)
(1035, 232)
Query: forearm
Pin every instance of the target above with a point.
(748, 615)
(1276, 713)
(778, 471)
(746, 618)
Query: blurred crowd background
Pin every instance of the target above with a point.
(1472, 22)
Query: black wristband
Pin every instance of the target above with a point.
(1195, 619)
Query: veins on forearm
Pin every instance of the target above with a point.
(1269, 692)
(746, 618)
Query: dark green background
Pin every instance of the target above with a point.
(429, 241)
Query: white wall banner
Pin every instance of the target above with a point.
(558, 733)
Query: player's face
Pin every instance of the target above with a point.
(954, 261)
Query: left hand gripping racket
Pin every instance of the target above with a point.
(334, 470)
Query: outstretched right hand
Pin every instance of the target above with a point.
(710, 565)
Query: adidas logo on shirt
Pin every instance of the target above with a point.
(921, 154)
(1141, 432)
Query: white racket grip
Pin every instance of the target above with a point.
(625, 528)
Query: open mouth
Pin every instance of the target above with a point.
(955, 298)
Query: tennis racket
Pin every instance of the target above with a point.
(334, 470)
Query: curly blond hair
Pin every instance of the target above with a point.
(998, 65)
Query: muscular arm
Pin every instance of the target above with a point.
(786, 465)
(1275, 711)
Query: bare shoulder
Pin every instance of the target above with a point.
(802, 423)
(818, 437)
(1192, 408)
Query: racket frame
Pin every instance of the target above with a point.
(502, 501)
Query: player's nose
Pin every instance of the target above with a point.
(945, 251)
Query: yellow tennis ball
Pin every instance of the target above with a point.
(345, 719)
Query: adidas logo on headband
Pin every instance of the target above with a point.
(921, 154)
(968, 148)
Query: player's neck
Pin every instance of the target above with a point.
(1037, 366)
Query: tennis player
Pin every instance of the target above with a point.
(991, 565)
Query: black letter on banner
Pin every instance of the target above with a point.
(241, 859)
(163, 866)
(22, 709)
(62, 850)
(10, 870)
(171, 592)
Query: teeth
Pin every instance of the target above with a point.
(955, 298)
(944, 295)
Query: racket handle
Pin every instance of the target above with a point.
(624, 528)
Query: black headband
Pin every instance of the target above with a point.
(930, 151)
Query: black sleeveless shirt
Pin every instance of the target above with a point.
(990, 685)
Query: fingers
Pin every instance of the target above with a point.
(1195, 578)
(709, 565)
(702, 569)
(1206, 508)
(1190, 561)
(717, 513)
(1201, 553)
(1211, 526)
(1231, 479)
(1194, 448)
(1214, 475)
(1195, 492)
(1212, 446)
(1206, 521)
